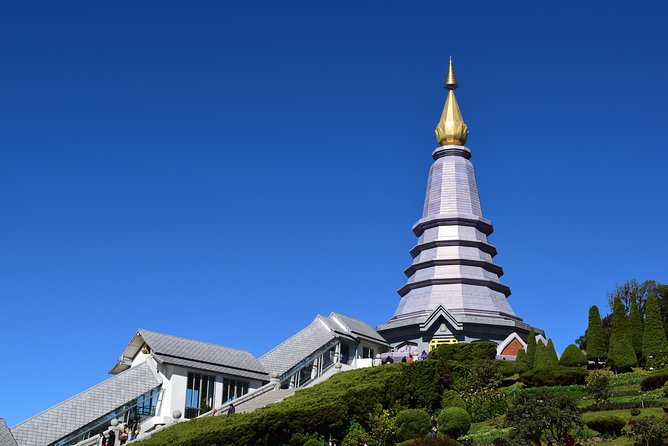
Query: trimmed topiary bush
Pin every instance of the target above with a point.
(654, 381)
(621, 356)
(546, 356)
(596, 346)
(573, 357)
(530, 357)
(654, 337)
(412, 423)
(451, 398)
(609, 425)
(553, 376)
(454, 422)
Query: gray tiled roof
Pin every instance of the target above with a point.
(6, 437)
(360, 328)
(89, 405)
(174, 350)
(293, 350)
(315, 336)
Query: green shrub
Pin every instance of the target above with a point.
(412, 423)
(313, 442)
(546, 356)
(454, 422)
(530, 357)
(649, 431)
(573, 357)
(621, 355)
(597, 350)
(599, 385)
(451, 398)
(461, 357)
(356, 436)
(609, 425)
(553, 376)
(509, 368)
(654, 381)
(654, 337)
(485, 403)
(426, 441)
(421, 384)
(537, 414)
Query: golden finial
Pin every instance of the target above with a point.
(451, 129)
(451, 81)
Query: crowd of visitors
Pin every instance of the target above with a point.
(128, 432)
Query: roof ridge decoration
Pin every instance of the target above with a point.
(451, 129)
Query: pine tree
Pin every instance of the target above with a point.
(540, 352)
(596, 349)
(654, 337)
(573, 357)
(621, 355)
(635, 327)
(546, 355)
(531, 349)
(521, 357)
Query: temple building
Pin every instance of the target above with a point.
(453, 293)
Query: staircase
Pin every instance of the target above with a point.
(275, 396)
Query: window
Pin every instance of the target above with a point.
(233, 389)
(367, 352)
(199, 394)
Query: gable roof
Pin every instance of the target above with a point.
(168, 349)
(87, 406)
(6, 437)
(359, 328)
(321, 331)
(293, 350)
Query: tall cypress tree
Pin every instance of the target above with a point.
(635, 326)
(596, 349)
(531, 349)
(654, 337)
(546, 355)
(621, 355)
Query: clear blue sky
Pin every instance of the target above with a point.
(224, 172)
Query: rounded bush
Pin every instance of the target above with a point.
(609, 425)
(412, 423)
(553, 376)
(452, 399)
(573, 357)
(654, 381)
(454, 422)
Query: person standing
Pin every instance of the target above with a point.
(112, 438)
(125, 434)
(231, 409)
(101, 440)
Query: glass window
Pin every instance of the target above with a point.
(233, 389)
(199, 394)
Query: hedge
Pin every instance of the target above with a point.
(553, 376)
(654, 381)
(324, 409)
(609, 425)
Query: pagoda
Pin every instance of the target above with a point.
(453, 293)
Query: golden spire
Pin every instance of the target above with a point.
(451, 129)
